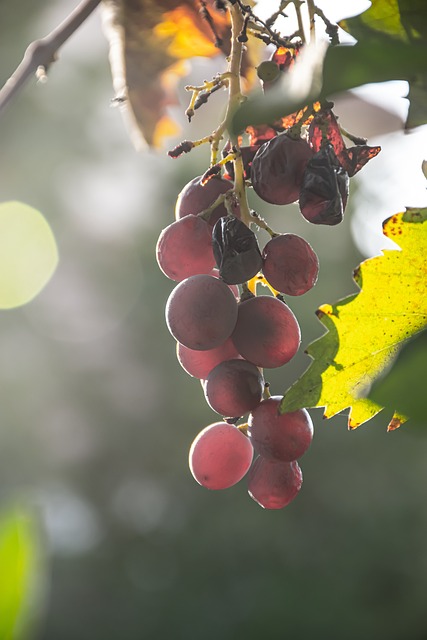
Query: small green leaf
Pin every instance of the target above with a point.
(19, 573)
(366, 330)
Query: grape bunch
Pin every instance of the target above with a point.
(227, 334)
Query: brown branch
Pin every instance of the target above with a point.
(41, 53)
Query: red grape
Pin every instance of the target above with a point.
(184, 248)
(267, 332)
(276, 436)
(196, 197)
(220, 456)
(234, 387)
(199, 364)
(290, 264)
(274, 484)
(201, 312)
(278, 168)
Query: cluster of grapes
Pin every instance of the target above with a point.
(226, 338)
(226, 334)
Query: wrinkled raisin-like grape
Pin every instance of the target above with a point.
(199, 364)
(220, 456)
(284, 436)
(290, 264)
(278, 168)
(236, 250)
(196, 197)
(324, 189)
(267, 332)
(201, 312)
(274, 484)
(184, 248)
(234, 388)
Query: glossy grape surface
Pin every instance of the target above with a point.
(220, 456)
(196, 197)
(199, 364)
(285, 436)
(267, 332)
(184, 248)
(278, 167)
(274, 484)
(201, 312)
(290, 264)
(234, 388)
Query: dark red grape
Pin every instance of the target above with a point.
(290, 264)
(199, 364)
(278, 168)
(234, 388)
(220, 456)
(267, 332)
(280, 436)
(236, 250)
(196, 197)
(184, 248)
(201, 312)
(274, 484)
(324, 189)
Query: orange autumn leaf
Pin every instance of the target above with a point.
(150, 43)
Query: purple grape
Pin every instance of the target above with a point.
(278, 168)
(196, 197)
(290, 264)
(267, 332)
(199, 364)
(220, 456)
(184, 248)
(234, 387)
(201, 312)
(274, 484)
(285, 437)
(324, 188)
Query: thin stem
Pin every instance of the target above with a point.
(234, 99)
(301, 32)
(41, 53)
(312, 13)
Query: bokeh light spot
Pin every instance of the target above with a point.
(28, 254)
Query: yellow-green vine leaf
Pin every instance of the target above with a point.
(21, 575)
(366, 330)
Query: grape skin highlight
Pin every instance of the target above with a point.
(234, 387)
(267, 332)
(276, 436)
(274, 484)
(290, 264)
(220, 456)
(201, 312)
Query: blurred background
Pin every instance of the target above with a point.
(97, 416)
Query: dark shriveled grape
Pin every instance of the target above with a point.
(199, 364)
(276, 436)
(220, 456)
(278, 168)
(274, 484)
(236, 250)
(234, 388)
(196, 197)
(201, 312)
(184, 248)
(324, 188)
(267, 332)
(290, 264)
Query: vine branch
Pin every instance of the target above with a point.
(40, 54)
